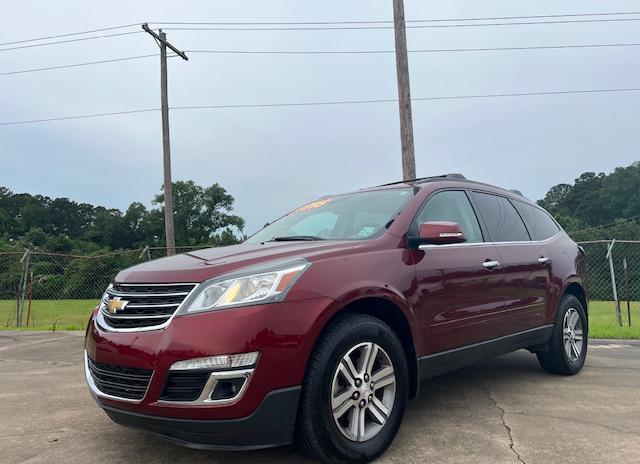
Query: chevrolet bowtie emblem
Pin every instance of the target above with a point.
(116, 304)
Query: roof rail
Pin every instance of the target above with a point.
(517, 192)
(455, 175)
(426, 179)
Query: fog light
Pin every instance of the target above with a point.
(227, 389)
(216, 363)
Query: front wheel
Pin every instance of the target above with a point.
(568, 343)
(355, 391)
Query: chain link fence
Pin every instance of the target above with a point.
(58, 291)
(613, 272)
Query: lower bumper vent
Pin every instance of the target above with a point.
(122, 382)
(184, 386)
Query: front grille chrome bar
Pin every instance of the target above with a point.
(123, 294)
(142, 310)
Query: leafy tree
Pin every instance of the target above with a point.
(203, 216)
(598, 206)
(201, 213)
(35, 237)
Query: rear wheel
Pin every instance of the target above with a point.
(355, 391)
(568, 343)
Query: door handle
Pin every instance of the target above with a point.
(491, 265)
(544, 260)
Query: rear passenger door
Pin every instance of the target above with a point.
(525, 274)
(544, 230)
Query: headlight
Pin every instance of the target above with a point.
(256, 284)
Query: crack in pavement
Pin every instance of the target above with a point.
(503, 413)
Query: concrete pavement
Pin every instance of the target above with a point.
(506, 410)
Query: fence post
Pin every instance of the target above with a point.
(145, 251)
(22, 287)
(626, 285)
(613, 282)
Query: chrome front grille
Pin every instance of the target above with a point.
(145, 305)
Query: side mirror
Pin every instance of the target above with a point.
(440, 233)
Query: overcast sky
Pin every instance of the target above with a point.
(274, 159)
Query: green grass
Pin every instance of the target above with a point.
(602, 320)
(49, 314)
(73, 315)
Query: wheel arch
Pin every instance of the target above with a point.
(392, 315)
(576, 289)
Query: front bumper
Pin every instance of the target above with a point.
(264, 415)
(272, 424)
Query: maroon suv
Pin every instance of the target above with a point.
(318, 328)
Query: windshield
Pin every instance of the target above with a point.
(354, 216)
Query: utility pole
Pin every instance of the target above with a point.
(161, 40)
(404, 92)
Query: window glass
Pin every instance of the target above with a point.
(319, 224)
(354, 216)
(540, 224)
(501, 218)
(452, 206)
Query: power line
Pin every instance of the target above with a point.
(338, 25)
(276, 105)
(78, 39)
(529, 94)
(330, 103)
(82, 116)
(319, 23)
(505, 18)
(87, 63)
(337, 28)
(322, 52)
(90, 31)
(382, 27)
(525, 23)
(393, 100)
(433, 50)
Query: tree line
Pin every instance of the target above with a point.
(595, 206)
(598, 206)
(203, 216)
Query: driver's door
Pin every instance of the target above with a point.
(459, 298)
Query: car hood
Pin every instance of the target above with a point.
(197, 266)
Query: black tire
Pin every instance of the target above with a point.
(556, 360)
(317, 432)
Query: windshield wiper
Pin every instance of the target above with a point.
(296, 238)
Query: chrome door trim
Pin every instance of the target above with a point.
(521, 242)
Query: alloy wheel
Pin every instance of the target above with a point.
(363, 392)
(572, 334)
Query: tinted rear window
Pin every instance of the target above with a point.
(501, 218)
(540, 224)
